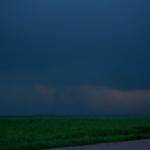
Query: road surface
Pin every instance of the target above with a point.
(128, 145)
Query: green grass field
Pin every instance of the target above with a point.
(37, 133)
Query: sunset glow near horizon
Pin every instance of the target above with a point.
(83, 57)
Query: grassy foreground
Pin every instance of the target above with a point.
(36, 133)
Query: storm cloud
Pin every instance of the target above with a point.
(74, 100)
(74, 57)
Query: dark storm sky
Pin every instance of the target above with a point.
(74, 57)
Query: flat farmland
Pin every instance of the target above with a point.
(33, 133)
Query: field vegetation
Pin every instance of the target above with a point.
(33, 133)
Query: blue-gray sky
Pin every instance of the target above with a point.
(74, 57)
